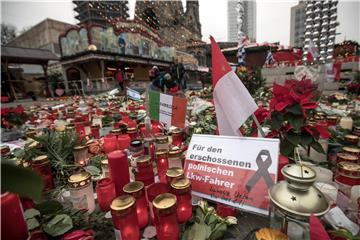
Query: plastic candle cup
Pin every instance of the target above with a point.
(81, 155)
(181, 187)
(167, 227)
(132, 132)
(119, 170)
(176, 157)
(110, 143)
(136, 189)
(81, 191)
(145, 171)
(162, 163)
(105, 191)
(177, 137)
(41, 165)
(123, 141)
(123, 212)
(151, 192)
(95, 131)
(172, 173)
(105, 168)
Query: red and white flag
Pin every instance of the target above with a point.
(233, 102)
(313, 51)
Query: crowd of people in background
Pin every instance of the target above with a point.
(170, 82)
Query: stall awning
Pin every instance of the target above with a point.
(26, 55)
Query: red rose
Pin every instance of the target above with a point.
(79, 235)
(19, 109)
(4, 111)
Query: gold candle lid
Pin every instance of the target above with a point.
(161, 153)
(175, 172)
(131, 130)
(346, 157)
(175, 152)
(164, 201)
(162, 139)
(177, 131)
(40, 160)
(331, 117)
(81, 147)
(349, 169)
(351, 150)
(143, 160)
(122, 203)
(79, 180)
(180, 183)
(70, 127)
(5, 149)
(133, 187)
(116, 131)
(351, 137)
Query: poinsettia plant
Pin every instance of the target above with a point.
(290, 108)
(11, 117)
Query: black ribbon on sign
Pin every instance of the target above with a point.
(262, 171)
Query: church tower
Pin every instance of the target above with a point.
(192, 18)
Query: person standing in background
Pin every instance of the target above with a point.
(119, 76)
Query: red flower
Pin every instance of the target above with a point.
(261, 114)
(4, 111)
(19, 109)
(79, 235)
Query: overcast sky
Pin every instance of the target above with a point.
(273, 17)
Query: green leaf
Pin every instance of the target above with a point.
(218, 231)
(295, 109)
(317, 147)
(49, 207)
(277, 120)
(293, 138)
(199, 232)
(296, 121)
(32, 223)
(94, 171)
(306, 139)
(58, 225)
(22, 181)
(31, 213)
(286, 148)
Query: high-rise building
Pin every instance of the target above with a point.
(249, 20)
(297, 25)
(100, 12)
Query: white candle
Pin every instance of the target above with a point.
(346, 123)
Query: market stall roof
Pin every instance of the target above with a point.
(26, 55)
(287, 56)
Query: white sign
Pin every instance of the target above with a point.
(132, 94)
(308, 72)
(237, 171)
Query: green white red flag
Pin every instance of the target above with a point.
(167, 109)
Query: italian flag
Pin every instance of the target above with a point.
(233, 103)
(167, 109)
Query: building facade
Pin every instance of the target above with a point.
(100, 12)
(249, 20)
(297, 24)
(176, 27)
(44, 35)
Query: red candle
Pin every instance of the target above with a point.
(172, 173)
(167, 227)
(123, 141)
(13, 223)
(95, 131)
(110, 143)
(162, 164)
(41, 165)
(136, 189)
(181, 187)
(225, 211)
(145, 171)
(119, 170)
(177, 137)
(124, 217)
(153, 191)
(105, 190)
(132, 131)
(283, 161)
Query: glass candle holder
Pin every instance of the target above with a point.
(176, 157)
(177, 137)
(352, 151)
(119, 170)
(351, 139)
(116, 132)
(132, 132)
(136, 148)
(110, 143)
(41, 165)
(172, 173)
(162, 142)
(136, 189)
(123, 212)
(81, 191)
(348, 175)
(95, 131)
(162, 164)
(345, 157)
(152, 192)
(105, 168)
(105, 191)
(14, 227)
(331, 120)
(123, 141)
(181, 187)
(81, 155)
(145, 171)
(167, 227)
